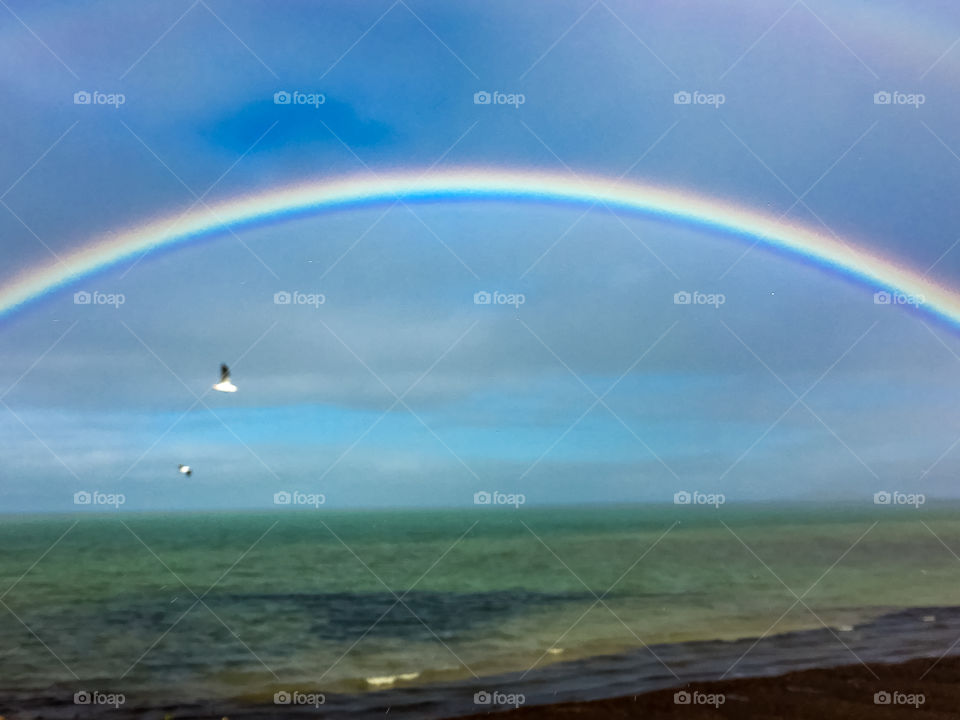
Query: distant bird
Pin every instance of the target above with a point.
(185, 470)
(225, 385)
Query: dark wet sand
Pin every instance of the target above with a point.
(822, 694)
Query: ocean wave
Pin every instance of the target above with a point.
(388, 680)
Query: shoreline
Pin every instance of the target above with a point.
(781, 676)
(879, 691)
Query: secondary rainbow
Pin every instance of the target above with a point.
(671, 205)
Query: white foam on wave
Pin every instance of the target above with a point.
(387, 680)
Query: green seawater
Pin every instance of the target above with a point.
(239, 604)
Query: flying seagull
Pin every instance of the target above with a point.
(185, 470)
(225, 385)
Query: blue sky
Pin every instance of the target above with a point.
(702, 398)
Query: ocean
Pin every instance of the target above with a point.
(420, 610)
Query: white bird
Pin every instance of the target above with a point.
(185, 470)
(225, 385)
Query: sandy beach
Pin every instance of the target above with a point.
(850, 692)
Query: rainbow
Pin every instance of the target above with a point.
(820, 248)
